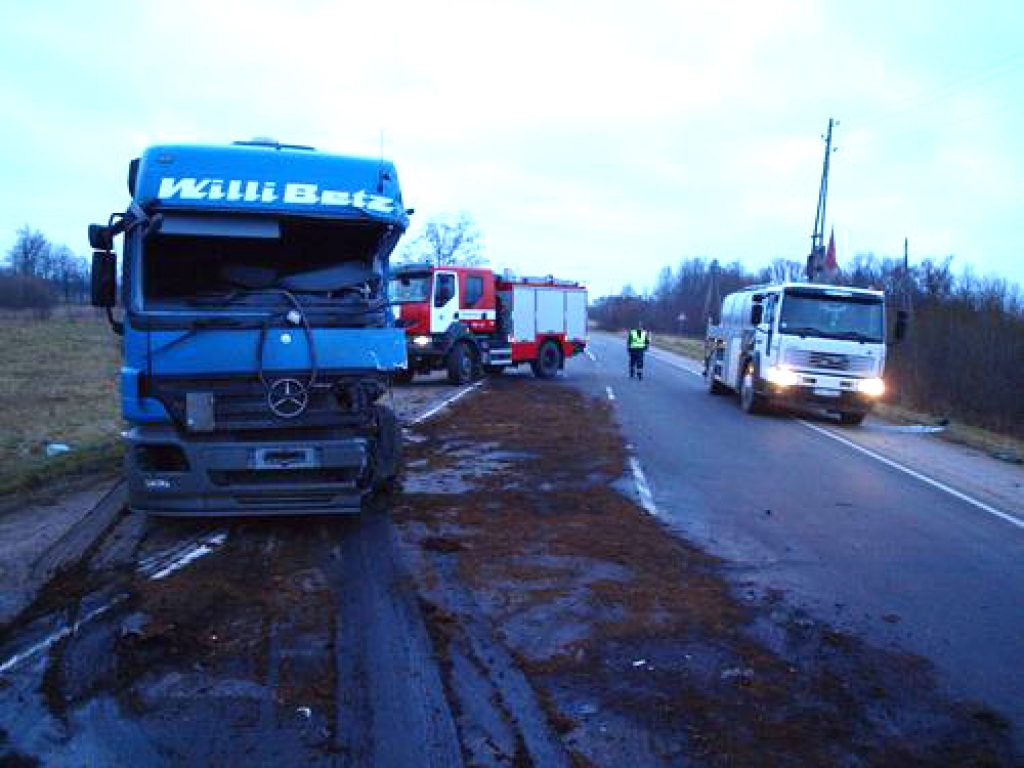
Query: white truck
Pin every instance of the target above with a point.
(801, 344)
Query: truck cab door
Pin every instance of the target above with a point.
(763, 319)
(768, 323)
(445, 304)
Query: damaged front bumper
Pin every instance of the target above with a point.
(169, 475)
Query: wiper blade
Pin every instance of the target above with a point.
(853, 336)
(213, 299)
(195, 326)
(802, 331)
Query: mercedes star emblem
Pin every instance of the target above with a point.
(287, 398)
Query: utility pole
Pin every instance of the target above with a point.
(906, 276)
(816, 259)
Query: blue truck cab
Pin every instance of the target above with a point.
(258, 339)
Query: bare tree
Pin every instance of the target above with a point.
(30, 254)
(67, 272)
(446, 240)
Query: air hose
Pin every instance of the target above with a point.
(302, 320)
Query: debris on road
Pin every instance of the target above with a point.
(578, 583)
(513, 609)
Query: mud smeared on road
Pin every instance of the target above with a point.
(633, 643)
(515, 608)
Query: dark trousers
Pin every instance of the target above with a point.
(636, 361)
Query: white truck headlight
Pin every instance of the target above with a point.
(781, 376)
(871, 387)
(421, 341)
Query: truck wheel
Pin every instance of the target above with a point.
(387, 450)
(851, 419)
(460, 364)
(403, 376)
(750, 401)
(714, 386)
(549, 360)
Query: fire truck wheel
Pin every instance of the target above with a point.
(851, 419)
(403, 377)
(750, 401)
(549, 360)
(460, 364)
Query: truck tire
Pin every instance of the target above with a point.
(403, 376)
(714, 386)
(851, 419)
(460, 364)
(387, 450)
(750, 401)
(549, 360)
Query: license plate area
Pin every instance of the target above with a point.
(822, 392)
(284, 457)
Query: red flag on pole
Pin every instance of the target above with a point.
(831, 265)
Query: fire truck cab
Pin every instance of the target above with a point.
(470, 321)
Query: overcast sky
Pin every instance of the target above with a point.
(593, 140)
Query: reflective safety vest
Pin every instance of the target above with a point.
(637, 339)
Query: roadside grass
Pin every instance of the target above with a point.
(995, 444)
(58, 384)
(687, 346)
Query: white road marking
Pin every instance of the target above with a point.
(646, 500)
(156, 561)
(611, 395)
(588, 353)
(674, 364)
(167, 562)
(48, 642)
(917, 475)
(424, 416)
(195, 552)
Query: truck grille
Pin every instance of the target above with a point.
(283, 477)
(830, 361)
(241, 404)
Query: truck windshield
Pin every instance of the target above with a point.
(331, 265)
(814, 313)
(410, 288)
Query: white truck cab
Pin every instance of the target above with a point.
(801, 344)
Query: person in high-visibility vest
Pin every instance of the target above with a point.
(637, 342)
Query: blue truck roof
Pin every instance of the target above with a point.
(256, 177)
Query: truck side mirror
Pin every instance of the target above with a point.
(900, 331)
(133, 175)
(100, 238)
(104, 279)
(756, 314)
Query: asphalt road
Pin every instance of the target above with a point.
(852, 541)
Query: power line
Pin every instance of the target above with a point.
(912, 104)
(936, 126)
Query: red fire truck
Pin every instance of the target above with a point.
(469, 321)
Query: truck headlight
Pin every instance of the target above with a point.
(421, 341)
(781, 376)
(871, 387)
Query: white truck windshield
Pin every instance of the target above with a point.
(807, 313)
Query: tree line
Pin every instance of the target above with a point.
(962, 356)
(39, 274)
